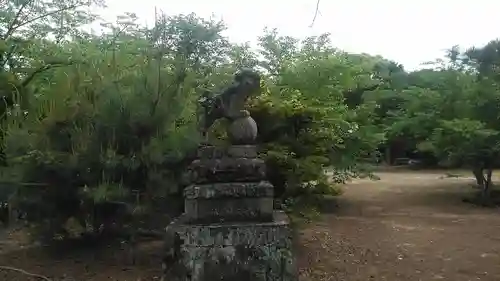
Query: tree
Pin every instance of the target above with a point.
(312, 129)
(451, 111)
(25, 53)
(109, 125)
(100, 117)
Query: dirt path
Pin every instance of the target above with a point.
(407, 226)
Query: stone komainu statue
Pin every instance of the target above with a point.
(230, 105)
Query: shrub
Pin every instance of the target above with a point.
(296, 145)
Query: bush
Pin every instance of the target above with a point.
(296, 144)
(98, 152)
(311, 141)
(112, 119)
(108, 129)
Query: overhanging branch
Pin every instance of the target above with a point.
(15, 21)
(315, 13)
(17, 24)
(41, 69)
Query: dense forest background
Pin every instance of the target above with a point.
(91, 120)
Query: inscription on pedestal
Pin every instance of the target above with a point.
(229, 190)
(235, 233)
(234, 151)
(236, 209)
(226, 170)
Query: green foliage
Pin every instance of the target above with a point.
(99, 117)
(110, 123)
(452, 111)
(92, 119)
(303, 122)
(464, 140)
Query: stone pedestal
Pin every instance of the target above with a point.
(229, 230)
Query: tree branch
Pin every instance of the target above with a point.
(11, 27)
(14, 28)
(315, 13)
(8, 268)
(39, 70)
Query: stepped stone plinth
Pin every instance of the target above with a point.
(229, 229)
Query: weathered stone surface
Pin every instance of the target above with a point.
(235, 251)
(239, 262)
(242, 131)
(229, 230)
(227, 170)
(233, 233)
(233, 151)
(227, 164)
(230, 104)
(225, 210)
(229, 190)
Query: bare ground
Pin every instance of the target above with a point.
(408, 226)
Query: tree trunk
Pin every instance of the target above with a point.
(478, 174)
(485, 192)
(388, 155)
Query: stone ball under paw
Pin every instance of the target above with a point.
(242, 131)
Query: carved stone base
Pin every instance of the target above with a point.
(226, 202)
(227, 170)
(233, 151)
(233, 251)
